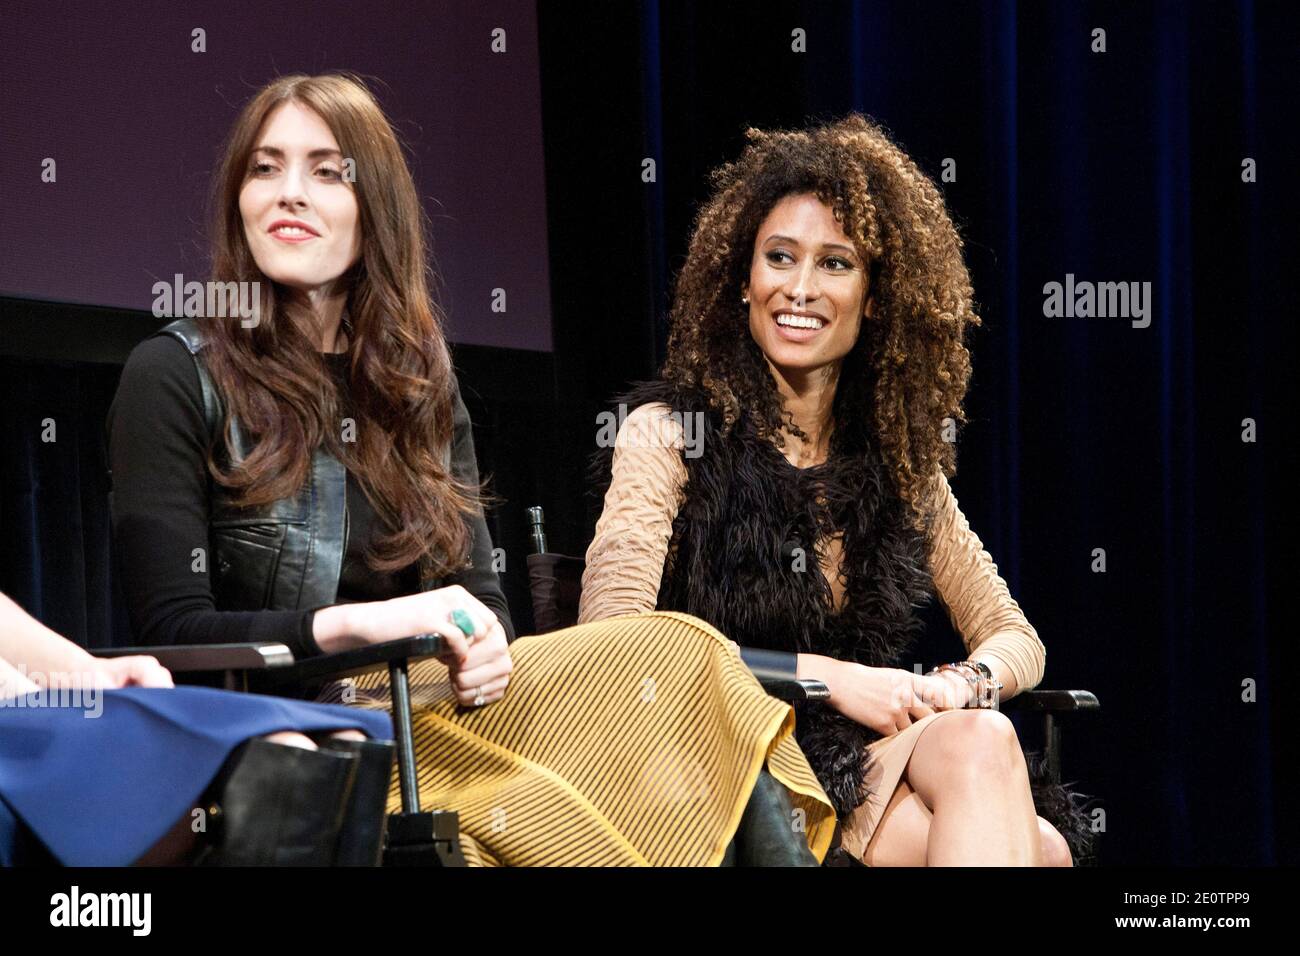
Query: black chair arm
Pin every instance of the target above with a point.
(278, 661)
(1053, 701)
(361, 660)
(190, 658)
(785, 688)
(777, 670)
(770, 664)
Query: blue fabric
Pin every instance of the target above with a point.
(8, 835)
(101, 790)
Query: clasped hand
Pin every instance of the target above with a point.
(479, 664)
(888, 699)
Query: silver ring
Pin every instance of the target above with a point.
(478, 697)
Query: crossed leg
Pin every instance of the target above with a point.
(291, 738)
(964, 800)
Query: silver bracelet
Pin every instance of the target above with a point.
(987, 697)
(980, 677)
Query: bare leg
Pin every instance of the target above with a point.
(903, 833)
(348, 735)
(969, 770)
(175, 848)
(1056, 852)
(291, 738)
(901, 836)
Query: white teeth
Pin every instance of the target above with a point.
(799, 321)
(291, 231)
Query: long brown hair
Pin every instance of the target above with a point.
(275, 382)
(909, 368)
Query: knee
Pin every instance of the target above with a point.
(979, 741)
(1056, 851)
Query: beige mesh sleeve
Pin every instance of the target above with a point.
(976, 597)
(626, 557)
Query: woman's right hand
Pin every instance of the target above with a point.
(346, 626)
(886, 699)
(479, 662)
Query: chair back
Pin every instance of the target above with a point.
(554, 580)
(555, 585)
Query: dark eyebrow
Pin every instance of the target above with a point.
(794, 242)
(278, 153)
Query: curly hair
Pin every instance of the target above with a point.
(909, 369)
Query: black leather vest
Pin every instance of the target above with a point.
(283, 556)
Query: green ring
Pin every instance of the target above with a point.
(463, 621)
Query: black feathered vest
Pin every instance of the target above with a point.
(742, 558)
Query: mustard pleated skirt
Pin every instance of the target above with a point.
(631, 741)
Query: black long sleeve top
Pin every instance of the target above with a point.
(158, 439)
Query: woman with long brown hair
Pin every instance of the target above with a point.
(304, 472)
(817, 350)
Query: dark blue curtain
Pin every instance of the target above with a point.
(54, 486)
(1086, 433)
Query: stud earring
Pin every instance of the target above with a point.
(745, 299)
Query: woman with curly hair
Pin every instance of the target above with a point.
(306, 475)
(786, 480)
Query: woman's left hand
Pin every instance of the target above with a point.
(946, 690)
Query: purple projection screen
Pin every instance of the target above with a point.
(134, 118)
